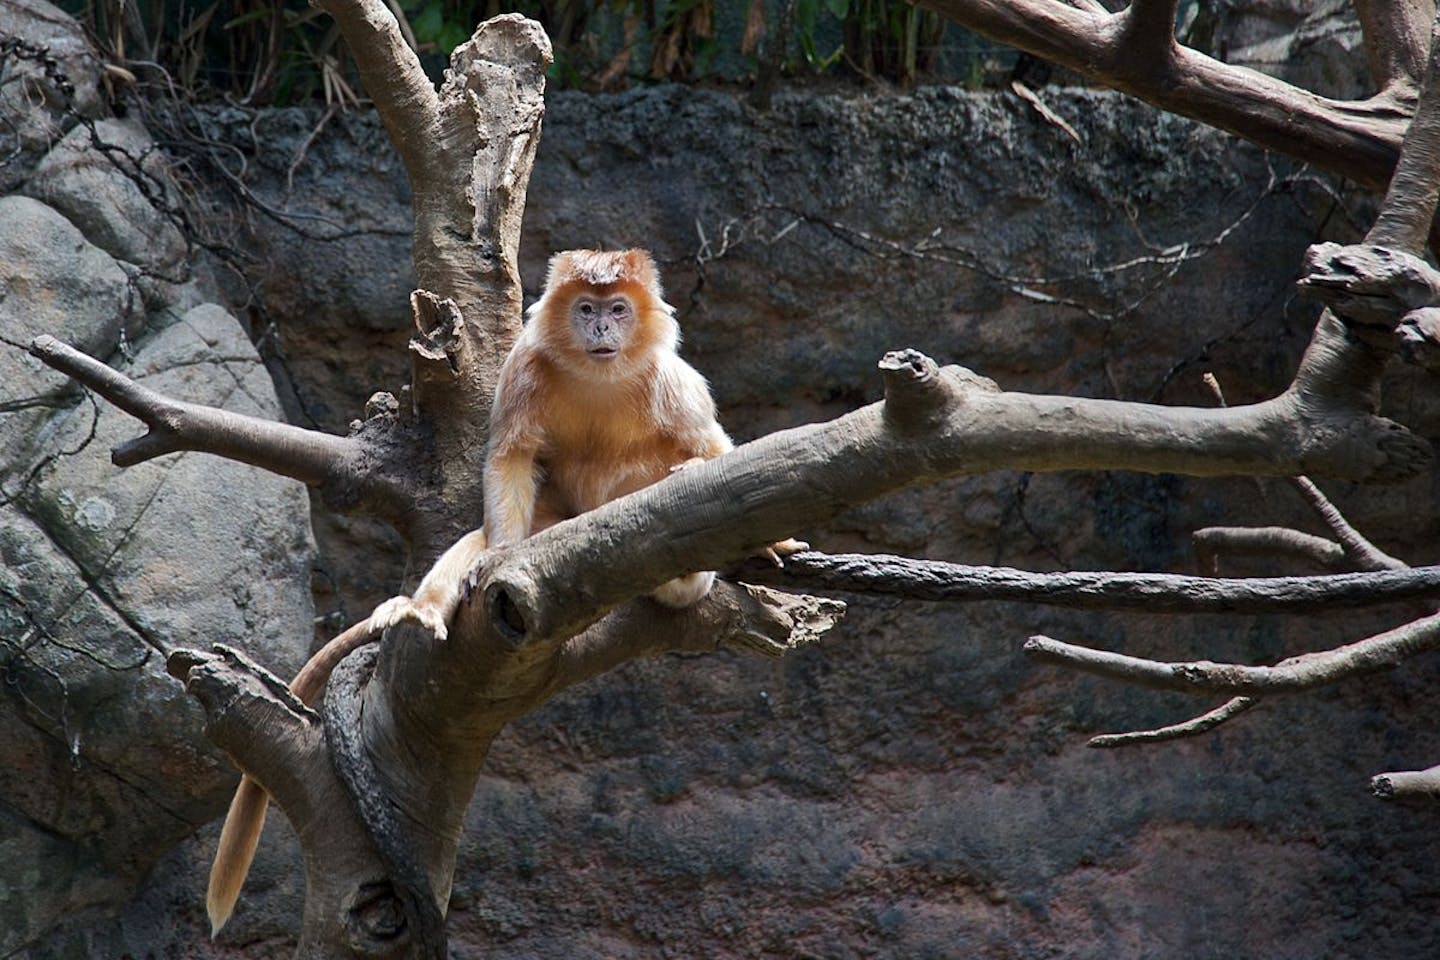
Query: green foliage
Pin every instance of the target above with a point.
(283, 51)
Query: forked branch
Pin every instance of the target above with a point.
(335, 464)
(1307, 671)
(1212, 543)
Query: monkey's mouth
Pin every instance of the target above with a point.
(604, 353)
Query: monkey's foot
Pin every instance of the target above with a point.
(398, 609)
(783, 548)
(684, 591)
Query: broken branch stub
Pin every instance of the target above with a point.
(1368, 284)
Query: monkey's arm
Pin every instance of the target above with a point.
(516, 432)
(682, 407)
(510, 487)
(439, 593)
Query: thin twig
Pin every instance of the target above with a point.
(1309, 670)
(1190, 728)
(1355, 551)
(1359, 551)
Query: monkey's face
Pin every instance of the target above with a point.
(602, 324)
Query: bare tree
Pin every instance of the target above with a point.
(376, 786)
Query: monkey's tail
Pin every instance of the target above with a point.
(246, 817)
(238, 839)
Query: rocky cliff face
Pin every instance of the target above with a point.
(104, 571)
(913, 788)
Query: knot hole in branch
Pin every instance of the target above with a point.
(505, 615)
(375, 923)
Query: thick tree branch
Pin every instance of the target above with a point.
(1345, 360)
(467, 220)
(934, 423)
(1153, 592)
(337, 464)
(1371, 655)
(1147, 30)
(1359, 140)
(413, 739)
(350, 905)
(394, 80)
(1409, 206)
(240, 696)
(373, 802)
(1396, 36)
(1367, 284)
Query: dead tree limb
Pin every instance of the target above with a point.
(1358, 139)
(933, 423)
(1369, 287)
(1212, 543)
(1193, 727)
(1408, 785)
(1153, 592)
(252, 715)
(1307, 671)
(340, 467)
(1396, 42)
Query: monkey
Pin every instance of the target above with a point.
(593, 402)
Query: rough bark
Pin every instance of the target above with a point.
(1154, 592)
(418, 731)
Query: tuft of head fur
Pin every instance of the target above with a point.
(602, 268)
(632, 272)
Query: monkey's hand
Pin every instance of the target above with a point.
(693, 461)
(783, 548)
(398, 609)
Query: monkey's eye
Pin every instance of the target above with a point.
(618, 309)
(587, 308)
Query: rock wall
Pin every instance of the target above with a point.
(104, 571)
(914, 787)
